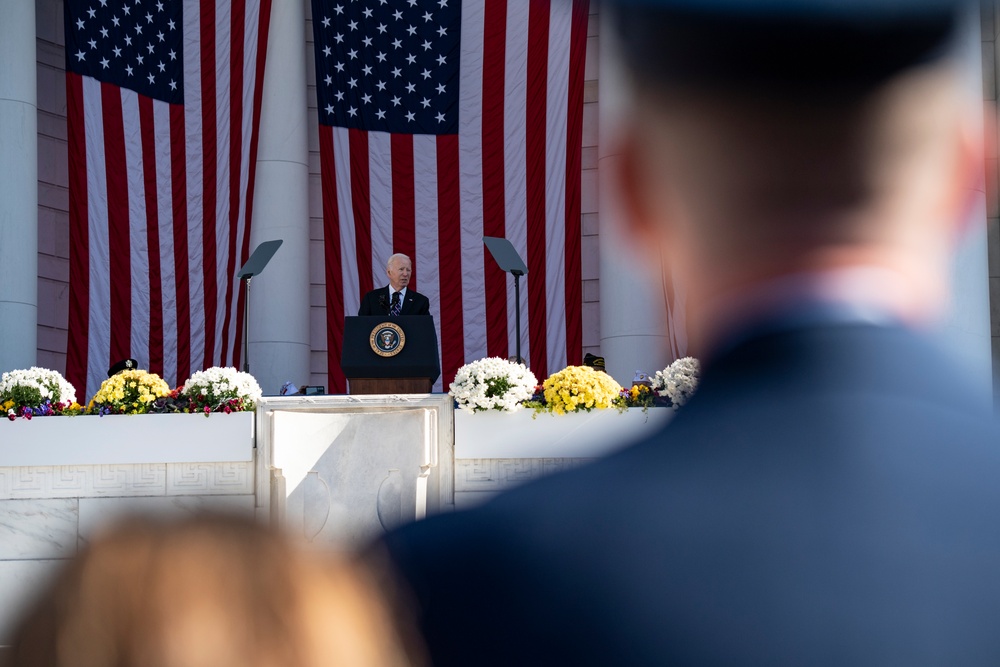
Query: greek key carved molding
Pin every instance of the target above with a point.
(499, 474)
(229, 478)
(81, 481)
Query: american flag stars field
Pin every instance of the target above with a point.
(391, 67)
(134, 44)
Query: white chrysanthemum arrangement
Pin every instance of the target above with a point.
(221, 389)
(36, 389)
(492, 384)
(678, 381)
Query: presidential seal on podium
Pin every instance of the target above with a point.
(387, 339)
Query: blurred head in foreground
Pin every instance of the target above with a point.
(803, 166)
(832, 141)
(205, 592)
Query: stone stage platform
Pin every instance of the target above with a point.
(334, 470)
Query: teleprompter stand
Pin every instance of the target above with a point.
(507, 259)
(258, 260)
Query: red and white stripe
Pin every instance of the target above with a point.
(513, 171)
(160, 205)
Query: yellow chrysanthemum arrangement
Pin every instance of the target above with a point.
(130, 392)
(576, 388)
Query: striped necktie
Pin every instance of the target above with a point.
(394, 308)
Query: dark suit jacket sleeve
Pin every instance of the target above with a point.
(370, 304)
(422, 305)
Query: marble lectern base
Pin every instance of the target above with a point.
(340, 470)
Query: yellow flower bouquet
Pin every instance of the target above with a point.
(576, 388)
(130, 392)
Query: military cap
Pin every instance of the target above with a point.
(814, 45)
(123, 365)
(594, 361)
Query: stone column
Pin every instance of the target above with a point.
(279, 297)
(634, 333)
(18, 187)
(990, 30)
(967, 327)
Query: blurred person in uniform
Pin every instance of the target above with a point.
(831, 493)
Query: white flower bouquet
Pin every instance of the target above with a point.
(35, 391)
(678, 381)
(220, 389)
(492, 384)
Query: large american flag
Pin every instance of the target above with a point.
(163, 106)
(443, 121)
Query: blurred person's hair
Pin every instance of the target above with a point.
(210, 591)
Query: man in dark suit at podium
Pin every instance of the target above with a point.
(396, 298)
(831, 493)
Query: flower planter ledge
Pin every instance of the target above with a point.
(501, 435)
(127, 439)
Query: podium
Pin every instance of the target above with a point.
(390, 355)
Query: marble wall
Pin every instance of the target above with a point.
(48, 512)
(334, 470)
(478, 480)
(495, 452)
